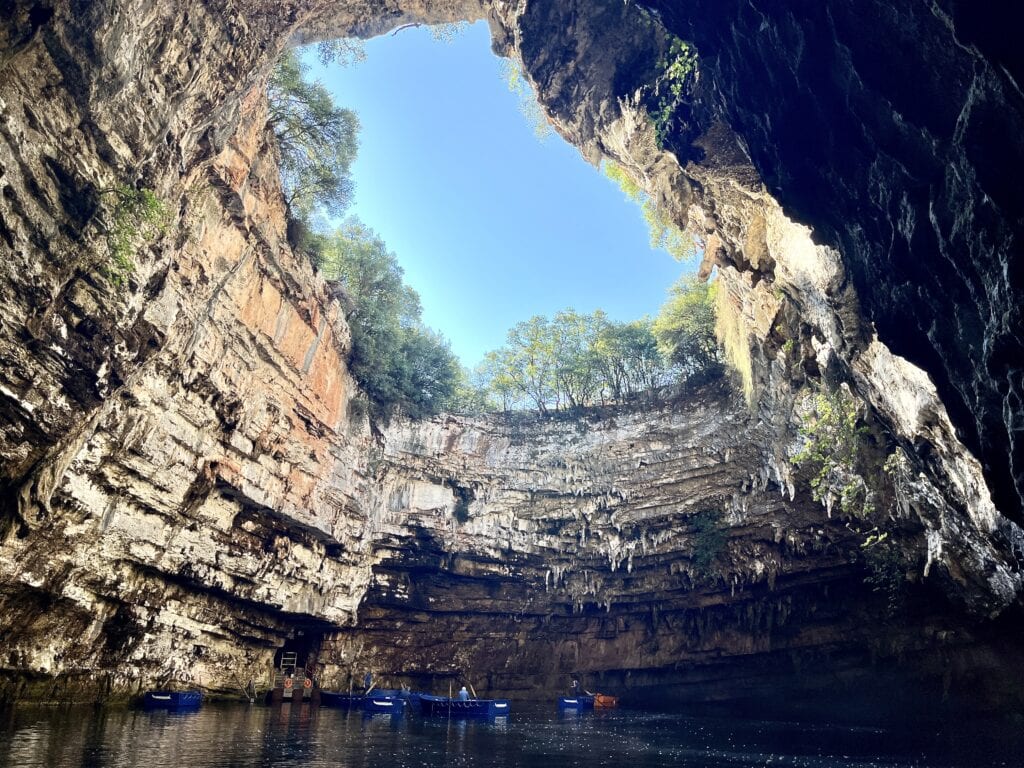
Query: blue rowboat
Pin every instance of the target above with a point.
(444, 707)
(385, 693)
(387, 705)
(576, 702)
(339, 699)
(173, 699)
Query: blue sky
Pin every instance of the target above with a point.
(490, 225)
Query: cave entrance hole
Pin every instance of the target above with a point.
(299, 654)
(490, 225)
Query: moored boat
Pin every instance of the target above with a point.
(576, 702)
(340, 699)
(444, 706)
(173, 699)
(388, 705)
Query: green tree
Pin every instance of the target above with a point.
(528, 361)
(473, 392)
(574, 362)
(685, 327)
(501, 381)
(317, 140)
(428, 373)
(397, 361)
(628, 359)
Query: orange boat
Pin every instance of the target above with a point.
(604, 701)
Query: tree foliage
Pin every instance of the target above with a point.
(318, 141)
(529, 107)
(685, 327)
(342, 51)
(401, 364)
(664, 232)
(575, 360)
(629, 360)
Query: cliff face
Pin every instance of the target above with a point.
(648, 546)
(180, 473)
(186, 487)
(898, 143)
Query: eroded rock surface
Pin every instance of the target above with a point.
(517, 553)
(186, 485)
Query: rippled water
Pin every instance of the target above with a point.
(241, 736)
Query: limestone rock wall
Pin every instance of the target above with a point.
(184, 485)
(792, 309)
(181, 473)
(637, 547)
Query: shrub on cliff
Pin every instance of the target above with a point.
(709, 538)
(138, 218)
(401, 364)
(663, 231)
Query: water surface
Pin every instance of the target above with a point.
(246, 736)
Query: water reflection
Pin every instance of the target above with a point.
(300, 735)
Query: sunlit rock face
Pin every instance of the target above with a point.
(517, 553)
(186, 486)
(894, 133)
(792, 296)
(180, 471)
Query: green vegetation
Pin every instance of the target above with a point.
(664, 232)
(887, 570)
(708, 539)
(401, 364)
(832, 437)
(734, 337)
(446, 33)
(628, 360)
(530, 108)
(138, 218)
(575, 360)
(685, 327)
(343, 51)
(846, 469)
(678, 71)
(317, 140)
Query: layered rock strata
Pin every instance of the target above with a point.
(186, 486)
(636, 548)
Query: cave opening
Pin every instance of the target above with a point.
(507, 243)
(579, 543)
(491, 224)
